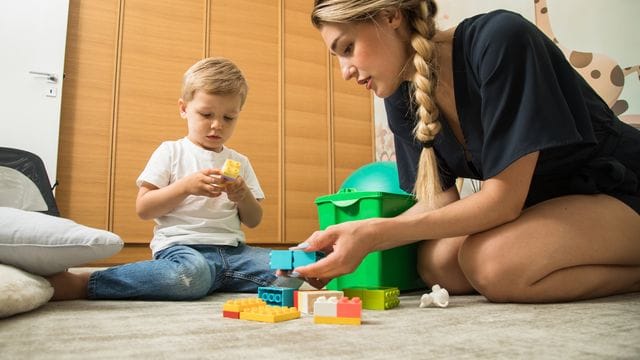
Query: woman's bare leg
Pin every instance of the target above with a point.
(438, 264)
(568, 248)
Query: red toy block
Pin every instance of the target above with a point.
(351, 308)
(231, 314)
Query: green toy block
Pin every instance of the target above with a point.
(380, 298)
(388, 268)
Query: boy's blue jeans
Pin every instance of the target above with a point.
(187, 273)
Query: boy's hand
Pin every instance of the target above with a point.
(236, 190)
(207, 182)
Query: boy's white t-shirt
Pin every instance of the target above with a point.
(197, 219)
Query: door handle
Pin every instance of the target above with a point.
(53, 78)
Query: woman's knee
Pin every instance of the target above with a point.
(430, 264)
(438, 264)
(488, 268)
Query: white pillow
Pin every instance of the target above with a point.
(44, 244)
(21, 291)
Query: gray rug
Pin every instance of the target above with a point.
(470, 328)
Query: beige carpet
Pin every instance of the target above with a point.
(470, 328)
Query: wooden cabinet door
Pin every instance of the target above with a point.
(353, 126)
(84, 154)
(160, 40)
(306, 125)
(247, 32)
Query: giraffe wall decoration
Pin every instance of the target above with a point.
(602, 72)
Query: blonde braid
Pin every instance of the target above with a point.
(420, 15)
(424, 86)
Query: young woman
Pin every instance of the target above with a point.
(558, 214)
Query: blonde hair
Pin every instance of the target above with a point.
(214, 76)
(420, 15)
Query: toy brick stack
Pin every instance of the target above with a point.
(338, 312)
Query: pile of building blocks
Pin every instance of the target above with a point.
(343, 311)
(269, 306)
(277, 296)
(275, 304)
(291, 259)
(231, 169)
(256, 309)
(304, 299)
(375, 298)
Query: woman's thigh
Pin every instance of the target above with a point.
(561, 233)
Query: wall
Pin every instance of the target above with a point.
(303, 130)
(606, 28)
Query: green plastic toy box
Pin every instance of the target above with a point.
(388, 268)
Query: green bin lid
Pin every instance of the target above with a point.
(348, 197)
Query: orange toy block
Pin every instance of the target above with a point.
(231, 169)
(337, 311)
(270, 313)
(350, 308)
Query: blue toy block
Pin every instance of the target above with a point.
(291, 259)
(281, 259)
(276, 295)
(301, 258)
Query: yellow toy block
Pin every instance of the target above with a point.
(230, 169)
(270, 314)
(239, 305)
(335, 320)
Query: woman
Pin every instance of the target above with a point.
(558, 214)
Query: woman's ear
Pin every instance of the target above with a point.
(392, 18)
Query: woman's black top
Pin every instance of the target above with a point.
(515, 94)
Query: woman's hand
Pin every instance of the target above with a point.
(345, 245)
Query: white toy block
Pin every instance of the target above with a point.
(326, 307)
(306, 299)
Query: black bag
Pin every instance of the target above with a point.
(24, 182)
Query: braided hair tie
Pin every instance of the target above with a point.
(427, 144)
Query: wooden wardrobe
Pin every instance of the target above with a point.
(303, 127)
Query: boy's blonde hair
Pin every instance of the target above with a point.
(214, 76)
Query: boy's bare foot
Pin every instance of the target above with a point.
(69, 286)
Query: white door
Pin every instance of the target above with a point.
(33, 35)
